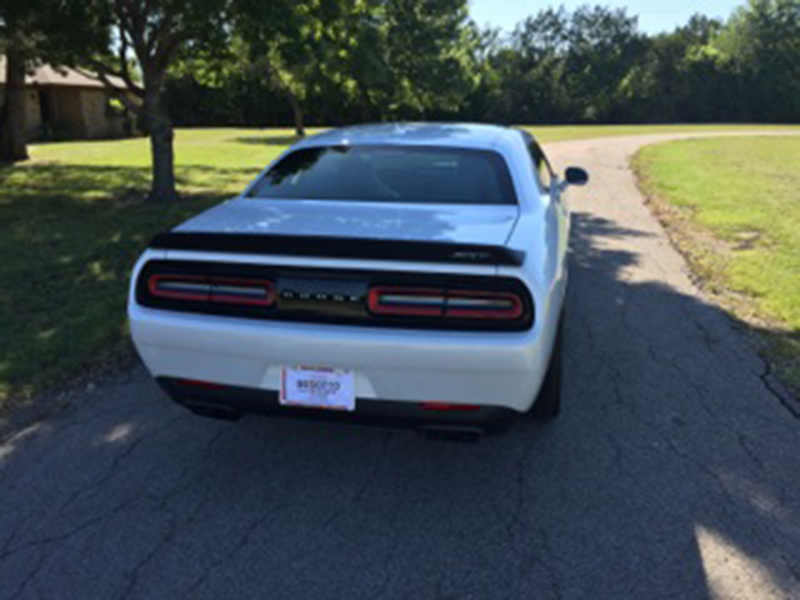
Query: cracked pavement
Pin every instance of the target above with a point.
(673, 470)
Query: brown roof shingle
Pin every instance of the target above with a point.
(45, 75)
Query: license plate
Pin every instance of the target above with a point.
(318, 387)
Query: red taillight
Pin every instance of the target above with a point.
(224, 290)
(440, 302)
(468, 304)
(441, 406)
(243, 291)
(407, 301)
(180, 287)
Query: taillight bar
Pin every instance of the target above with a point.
(180, 287)
(406, 301)
(441, 302)
(224, 290)
(368, 298)
(243, 291)
(483, 305)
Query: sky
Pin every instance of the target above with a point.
(655, 16)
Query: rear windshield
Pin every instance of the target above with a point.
(389, 174)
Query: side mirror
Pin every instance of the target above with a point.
(576, 176)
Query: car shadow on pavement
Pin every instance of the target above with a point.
(670, 473)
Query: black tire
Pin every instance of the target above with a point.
(548, 403)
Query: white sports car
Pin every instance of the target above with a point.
(402, 274)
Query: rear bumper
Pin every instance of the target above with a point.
(501, 370)
(231, 402)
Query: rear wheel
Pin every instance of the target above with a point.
(548, 404)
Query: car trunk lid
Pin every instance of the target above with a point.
(458, 224)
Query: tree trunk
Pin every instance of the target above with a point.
(12, 121)
(159, 127)
(297, 112)
(277, 82)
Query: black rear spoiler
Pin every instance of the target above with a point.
(339, 247)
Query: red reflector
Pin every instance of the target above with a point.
(206, 385)
(448, 406)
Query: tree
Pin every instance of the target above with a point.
(338, 61)
(268, 29)
(274, 70)
(303, 49)
(34, 32)
(383, 58)
(428, 48)
(536, 73)
(676, 78)
(565, 67)
(604, 44)
(12, 118)
(154, 33)
(760, 44)
(20, 38)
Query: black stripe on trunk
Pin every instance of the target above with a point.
(340, 247)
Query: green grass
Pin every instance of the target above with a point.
(734, 207)
(73, 221)
(560, 133)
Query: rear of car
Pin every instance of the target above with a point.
(410, 277)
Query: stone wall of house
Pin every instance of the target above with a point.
(68, 112)
(33, 113)
(100, 123)
(72, 113)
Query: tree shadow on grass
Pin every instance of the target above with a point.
(69, 236)
(83, 183)
(671, 472)
(269, 140)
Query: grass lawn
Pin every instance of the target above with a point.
(72, 222)
(561, 133)
(733, 206)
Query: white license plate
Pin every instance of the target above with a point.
(318, 387)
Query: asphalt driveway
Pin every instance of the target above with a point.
(674, 470)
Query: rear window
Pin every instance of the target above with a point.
(389, 174)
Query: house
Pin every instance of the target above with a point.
(62, 103)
